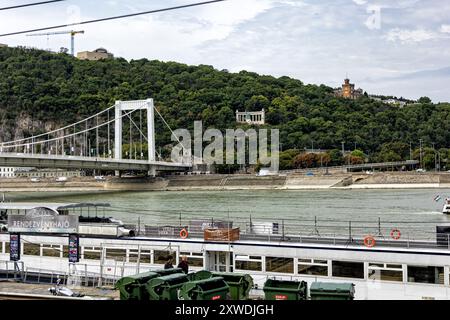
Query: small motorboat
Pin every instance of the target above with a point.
(446, 208)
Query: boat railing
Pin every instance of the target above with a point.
(11, 270)
(39, 275)
(329, 233)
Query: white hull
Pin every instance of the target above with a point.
(207, 254)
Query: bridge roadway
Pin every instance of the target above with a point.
(77, 162)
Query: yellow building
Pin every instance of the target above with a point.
(348, 90)
(95, 55)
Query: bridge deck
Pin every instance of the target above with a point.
(77, 162)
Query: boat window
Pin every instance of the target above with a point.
(116, 254)
(379, 265)
(92, 253)
(394, 266)
(313, 267)
(161, 257)
(426, 274)
(282, 265)
(320, 261)
(385, 275)
(347, 269)
(248, 265)
(49, 250)
(7, 247)
(31, 249)
(65, 251)
(145, 256)
(195, 259)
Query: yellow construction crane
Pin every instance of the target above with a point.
(72, 37)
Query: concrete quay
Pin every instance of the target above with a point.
(390, 180)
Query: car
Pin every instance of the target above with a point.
(421, 170)
(61, 179)
(309, 174)
(99, 178)
(35, 180)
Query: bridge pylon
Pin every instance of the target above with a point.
(126, 106)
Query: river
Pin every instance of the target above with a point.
(414, 211)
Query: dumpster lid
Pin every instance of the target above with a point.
(332, 287)
(136, 278)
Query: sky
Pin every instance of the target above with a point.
(399, 48)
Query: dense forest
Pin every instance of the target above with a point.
(58, 88)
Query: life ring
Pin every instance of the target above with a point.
(369, 241)
(183, 234)
(395, 234)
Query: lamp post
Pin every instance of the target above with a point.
(421, 165)
(410, 150)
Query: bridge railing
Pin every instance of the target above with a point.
(345, 168)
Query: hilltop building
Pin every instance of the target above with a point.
(95, 55)
(253, 117)
(348, 91)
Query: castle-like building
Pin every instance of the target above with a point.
(348, 91)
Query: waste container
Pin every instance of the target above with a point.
(133, 287)
(207, 289)
(166, 287)
(166, 272)
(332, 291)
(200, 275)
(240, 284)
(285, 290)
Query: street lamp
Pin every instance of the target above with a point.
(420, 141)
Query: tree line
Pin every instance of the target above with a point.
(58, 88)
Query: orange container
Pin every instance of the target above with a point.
(222, 234)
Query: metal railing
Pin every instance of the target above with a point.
(411, 234)
(11, 270)
(354, 166)
(38, 276)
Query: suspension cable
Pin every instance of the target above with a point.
(69, 135)
(54, 131)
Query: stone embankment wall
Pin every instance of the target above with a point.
(235, 182)
(50, 185)
(220, 182)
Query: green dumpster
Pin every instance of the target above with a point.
(166, 272)
(240, 284)
(285, 290)
(200, 275)
(207, 289)
(133, 287)
(332, 291)
(166, 287)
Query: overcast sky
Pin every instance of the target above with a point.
(389, 47)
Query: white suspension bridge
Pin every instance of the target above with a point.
(97, 143)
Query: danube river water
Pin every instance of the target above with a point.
(414, 211)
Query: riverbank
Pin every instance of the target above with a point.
(391, 180)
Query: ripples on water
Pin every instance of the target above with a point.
(413, 210)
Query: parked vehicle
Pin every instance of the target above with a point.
(58, 290)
